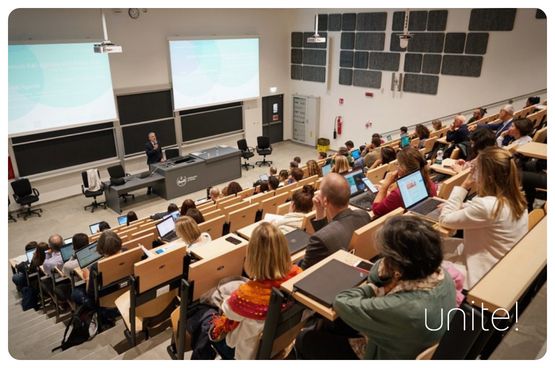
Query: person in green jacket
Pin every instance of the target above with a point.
(401, 311)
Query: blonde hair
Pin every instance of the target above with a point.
(187, 229)
(341, 164)
(498, 177)
(268, 256)
(410, 159)
(313, 168)
(437, 124)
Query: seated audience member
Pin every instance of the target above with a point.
(296, 175)
(371, 152)
(224, 192)
(342, 151)
(53, 259)
(195, 215)
(131, 216)
(186, 206)
(477, 115)
(437, 125)
(187, 230)
(377, 135)
(349, 145)
(297, 159)
(457, 133)
(268, 265)
(39, 256)
(263, 187)
(407, 291)
(506, 115)
(423, 133)
(283, 177)
(532, 101)
(387, 154)
(518, 131)
(493, 222)
(332, 200)
(341, 165)
(301, 204)
(109, 244)
(272, 172)
(313, 168)
(171, 208)
(214, 194)
(479, 139)
(63, 290)
(273, 183)
(233, 188)
(103, 226)
(403, 130)
(409, 160)
(322, 155)
(293, 164)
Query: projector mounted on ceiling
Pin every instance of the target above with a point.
(316, 37)
(106, 47)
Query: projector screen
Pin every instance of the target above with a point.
(210, 72)
(52, 86)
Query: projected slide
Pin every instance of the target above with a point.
(209, 72)
(56, 85)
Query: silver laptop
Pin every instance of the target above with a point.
(66, 251)
(30, 254)
(166, 229)
(87, 255)
(416, 198)
(326, 169)
(95, 228)
(361, 195)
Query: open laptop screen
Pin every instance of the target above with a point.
(405, 140)
(87, 255)
(67, 252)
(174, 214)
(30, 254)
(356, 154)
(412, 188)
(95, 228)
(165, 226)
(326, 169)
(122, 220)
(354, 178)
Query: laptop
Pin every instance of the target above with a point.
(122, 220)
(326, 169)
(405, 140)
(144, 174)
(361, 195)
(355, 154)
(166, 229)
(297, 240)
(415, 196)
(30, 254)
(68, 240)
(67, 252)
(174, 214)
(95, 228)
(324, 284)
(87, 255)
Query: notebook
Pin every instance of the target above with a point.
(324, 284)
(361, 196)
(95, 228)
(30, 254)
(297, 240)
(326, 169)
(67, 252)
(87, 255)
(122, 220)
(356, 154)
(415, 196)
(166, 229)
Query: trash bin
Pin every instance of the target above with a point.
(323, 145)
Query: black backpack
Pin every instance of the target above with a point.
(29, 299)
(83, 326)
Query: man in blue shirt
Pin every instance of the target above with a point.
(506, 115)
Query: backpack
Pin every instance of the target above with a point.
(83, 326)
(29, 299)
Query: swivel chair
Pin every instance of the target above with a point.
(117, 173)
(10, 217)
(263, 148)
(246, 152)
(172, 153)
(24, 195)
(89, 193)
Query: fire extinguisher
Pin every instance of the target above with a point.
(337, 127)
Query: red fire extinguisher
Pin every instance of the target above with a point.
(338, 125)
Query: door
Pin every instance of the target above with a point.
(272, 118)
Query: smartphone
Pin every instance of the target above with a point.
(233, 240)
(363, 265)
(370, 186)
(263, 177)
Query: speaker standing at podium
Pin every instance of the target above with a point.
(153, 153)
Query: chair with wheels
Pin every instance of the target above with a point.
(24, 195)
(246, 152)
(91, 193)
(117, 174)
(263, 148)
(10, 217)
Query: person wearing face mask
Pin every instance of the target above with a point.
(493, 221)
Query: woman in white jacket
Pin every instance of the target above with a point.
(301, 204)
(493, 222)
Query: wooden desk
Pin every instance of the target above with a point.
(443, 140)
(15, 261)
(505, 283)
(534, 149)
(288, 286)
(246, 232)
(444, 170)
(218, 247)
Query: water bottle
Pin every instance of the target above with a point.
(439, 156)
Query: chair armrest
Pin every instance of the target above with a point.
(15, 197)
(250, 149)
(82, 189)
(36, 192)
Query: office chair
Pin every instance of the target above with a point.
(88, 193)
(24, 195)
(10, 217)
(263, 148)
(172, 153)
(116, 177)
(246, 152)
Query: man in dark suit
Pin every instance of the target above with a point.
(457, 133)
(506, 116)
(153, 153)
(333, 199)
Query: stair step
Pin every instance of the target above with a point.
(104, 353)
(153, 348)
(32, 320)
(52, 338)
(36, 332)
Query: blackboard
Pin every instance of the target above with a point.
(135, 136)
(43, 152)
(211, 121)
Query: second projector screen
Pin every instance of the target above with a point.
(210, 72)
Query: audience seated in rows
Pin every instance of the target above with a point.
(422, 133)
(214, 194)
(172, 207)
(297, 159)
(233, 188)
(340, 165)
(63, 290)
(296, 175)
(387, 154)
(131, 216)
(186, 206)
(457, 133)
(519, 132)
(39, 256)
(479, 140)
(187, 230)
(283, 177)
(322, 155)
(301, 204)
(313, 168)
(371, 152)
(506, 116)
(477, 115)
(195, 215)
(437, 125)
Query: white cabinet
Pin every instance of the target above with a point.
(306, 119)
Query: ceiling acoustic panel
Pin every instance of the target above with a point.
(384, 61)
(348, 22)
(314, 74)
(418, 83)
(334, 23)
(413, 63)
(296, 56)
(346, 77)
(492, 19)
(477, 43)
(437, 20)
(427, 42)
(322, 22)
(347, 40)
(454, 43)
(371, 21)
(314, 57)
(297, 72)
(370, 41)
(431, 64)
(367, 78)
(346, 59)
(296, 39)
(417, 21)
(464, 66)
(361, 60)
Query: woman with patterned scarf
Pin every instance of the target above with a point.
(401, 311)
(268, 264)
